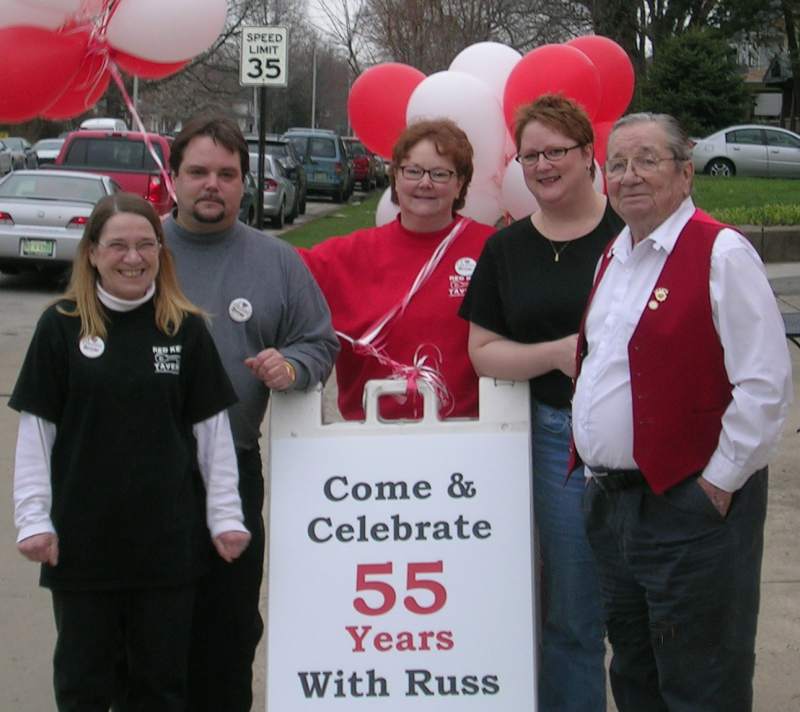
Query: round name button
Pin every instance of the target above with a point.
(92, 346)
(240, 310)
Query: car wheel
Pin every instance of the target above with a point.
(338, 196)
(303, 204)
(278, 220)
(720, 168)
(251, 216)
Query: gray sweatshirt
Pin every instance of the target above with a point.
(258, 294)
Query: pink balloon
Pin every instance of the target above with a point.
(615, 68)
(37, 65)
(377, 104)
(552, 69)
(139, 67)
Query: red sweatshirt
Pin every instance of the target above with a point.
(364, 274)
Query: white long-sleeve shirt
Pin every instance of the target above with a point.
(751, 332)
(215, 454)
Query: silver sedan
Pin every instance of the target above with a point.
(279, 202)
(42, 216)
(749, 150)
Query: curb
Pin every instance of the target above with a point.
(774, 244)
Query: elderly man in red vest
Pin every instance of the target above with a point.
(684, 383)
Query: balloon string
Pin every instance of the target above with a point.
(112, 68)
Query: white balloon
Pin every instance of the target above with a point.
(472, 105)
(19, 12)
(516, 198)
(67, 6)
(386, 210)
(491, 62)
(171, 31)
(599, 183)
(483, 202)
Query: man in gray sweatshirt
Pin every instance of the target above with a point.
(273, 330)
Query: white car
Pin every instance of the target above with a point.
(279, 191)
(749, 150)
(47, 149)
(42, 216)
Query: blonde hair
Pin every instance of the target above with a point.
(171, 304)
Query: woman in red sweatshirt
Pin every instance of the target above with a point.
(394, 291)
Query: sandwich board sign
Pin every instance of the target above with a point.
(400, 558)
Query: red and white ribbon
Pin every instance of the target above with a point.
(427, 360)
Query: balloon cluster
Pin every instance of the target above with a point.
(58, 56)
(481, 91)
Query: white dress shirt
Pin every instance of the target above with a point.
(216, 457)
(751, 332)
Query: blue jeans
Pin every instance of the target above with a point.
(572, 665)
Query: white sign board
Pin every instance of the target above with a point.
(400, 560)
(263, 61)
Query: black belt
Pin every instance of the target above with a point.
(614, 480)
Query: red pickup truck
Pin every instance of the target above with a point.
(123, 156)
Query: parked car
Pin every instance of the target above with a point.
(285, 152)
(6, 159)
(123, 156)
(42, 216)
(47, 149)
(22, 152)
(247, 206)
(279, 191)
(325, 160)
(100, 123)
(364, 165)
(749, 150)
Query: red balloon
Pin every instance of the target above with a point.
(144, 68)
(602, 130)
(616, 74)
(37, 65)
(552, 69)
(84, 91)
(377, 104)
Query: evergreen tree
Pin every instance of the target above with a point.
(694, 77)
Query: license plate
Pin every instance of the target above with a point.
(321, 177)
(37, 248)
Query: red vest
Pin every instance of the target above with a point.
(679, 385)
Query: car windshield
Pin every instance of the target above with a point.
(254, 165)
(277, 149)
(49, 187)
(48, 144)
(357, 149)
(14, 143)
(322, 148)
(112, 154)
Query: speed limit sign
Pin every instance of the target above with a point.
(263, 61)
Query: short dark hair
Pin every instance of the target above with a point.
(450, 141)
(220, 129)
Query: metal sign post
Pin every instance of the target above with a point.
(263, 63)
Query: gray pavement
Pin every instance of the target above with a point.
(26, 625)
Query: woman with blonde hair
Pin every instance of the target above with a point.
(124, 464)
(524, 306)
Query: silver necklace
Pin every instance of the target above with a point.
(557, 252)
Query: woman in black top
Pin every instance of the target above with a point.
(524, 305)
(125, 463)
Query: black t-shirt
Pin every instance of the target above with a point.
(128, 502)
(519, 291)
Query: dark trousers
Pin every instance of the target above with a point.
(150, 628)
(681, 588)
(227, 625)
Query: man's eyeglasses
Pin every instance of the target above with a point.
(643, 166)
(438, 175)
(551, 154)
(120, 248)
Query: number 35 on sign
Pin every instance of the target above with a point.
(263, 60)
